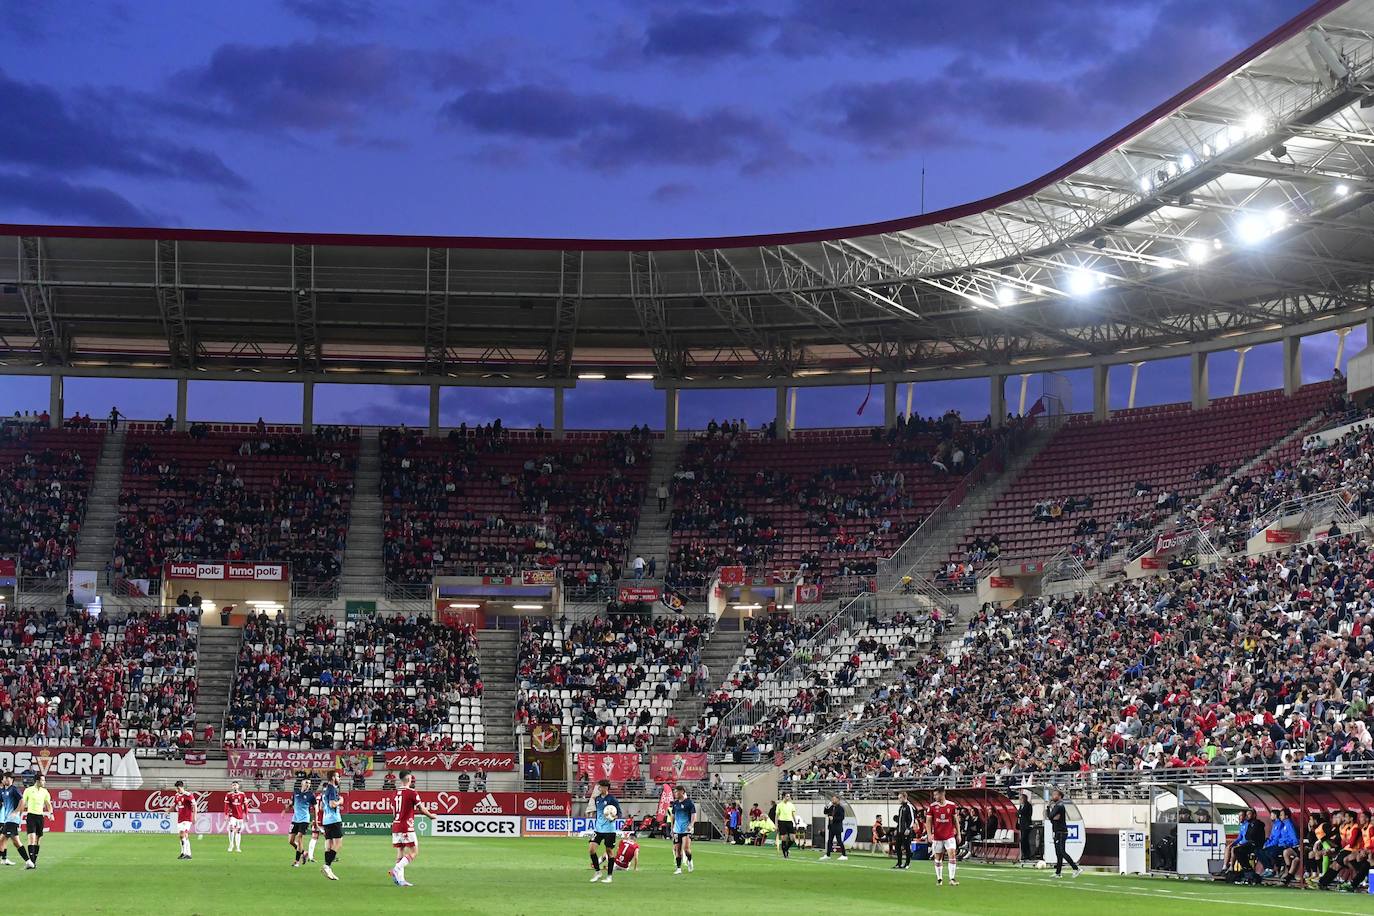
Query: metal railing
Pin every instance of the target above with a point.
(406, 591)
(1315, 509)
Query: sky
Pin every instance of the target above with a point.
(622, 118)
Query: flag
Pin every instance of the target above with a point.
(665, 798)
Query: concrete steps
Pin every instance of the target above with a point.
(652, 538)
(496, 653)
(719, 655)
(95, 546)
(217, 658)
(363, 570)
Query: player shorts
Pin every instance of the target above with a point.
(34, 823)
(9, 828)
(300, 827)
(333, 831)
(186, 826)
(234, 823)
(942, 845)
(679, 837)
(403, 839)
(785, 828)
(606, 839)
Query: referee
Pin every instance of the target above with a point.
(905, 826)
(1058, 817)
(37, 807)
(787, 824)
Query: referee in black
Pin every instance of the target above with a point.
(1023, 828)
(905, 827)
(1059, 823)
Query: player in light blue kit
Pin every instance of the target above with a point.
(684, 813)
(303, 802)
(10, 798)
(331, 818)
(606, 808)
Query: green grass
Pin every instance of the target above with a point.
(132, 874)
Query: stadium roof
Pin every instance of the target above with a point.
(1235, 213)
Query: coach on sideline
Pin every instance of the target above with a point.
(1023, 827)
(904, 826)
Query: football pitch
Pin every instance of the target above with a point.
(140, 874)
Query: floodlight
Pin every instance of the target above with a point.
(1254, 124)
(1342, 190)
(1252, 229)
(1082, 282)
(1005, 295)
(1187, 162)
(1199, 252)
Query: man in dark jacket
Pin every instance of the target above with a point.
(834, 827)
(1248, 844)
(904, 826)
(1023, 827)
(1058, 816)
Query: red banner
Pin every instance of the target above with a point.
(1151, 563)
(1001, 582)
(732, 575)
(665, 801)
(618, 768)
(95, 801)
(8, 570)
(451, 761)
(1172, 542)
(241, 572)
(245, 763)
(669, 768)
(539, 577)
(630, 594)
(809, 593)
(1281, 536)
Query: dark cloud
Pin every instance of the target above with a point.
(606, 133)
(71, 133)
(312, 86)
(334, 14)
(695, 34)
(57, 199)
(673, 191)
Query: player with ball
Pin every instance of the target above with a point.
(605, 808)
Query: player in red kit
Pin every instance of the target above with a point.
(627, 856)
(403, 827)
(184, 804)
(235, 811)
(942, 823)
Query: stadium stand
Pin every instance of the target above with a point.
(374, 683)
(70, 677)
(494, 501)
(1102, 485)
(44, 481)
(830, 502)
(239, 493)
(1257, 661)
(609, 681)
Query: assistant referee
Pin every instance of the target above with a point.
(37, 807)
(787, 824)
(905, 830)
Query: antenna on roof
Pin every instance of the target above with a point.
(923, 185)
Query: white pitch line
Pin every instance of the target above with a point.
(983, 875)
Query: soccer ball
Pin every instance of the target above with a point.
(611, 812)
(1040, 864)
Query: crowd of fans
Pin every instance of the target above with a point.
(396, 678)
(181, 507)
(1257, 661)
(731, 512)
(612, 679)
(44, 479)
(70, 677)
(484, 503)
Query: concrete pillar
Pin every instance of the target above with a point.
(889, 404)
(55, 405)
(434, 410)
(910, 390)
(1292, 364)
(1101, 394)
(997, 401)
(1369, 332)
(1135, 377)
(1199, 379)
(792, 410)
(1025, 386)
(308, 407)
(182, 386)
(783, 420)
(670, 406)
(1341, 334)
(558, 394)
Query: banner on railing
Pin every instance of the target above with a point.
(1172, 542)
(1001, 582)
(247, 763)
(539, 577)
(240, 572)
(82, 584)
(118, 763)
(617, 767)
(672, 768)
(809, 593)
(634, 594)
(1282, 536)
(732, 575)
(9, 572)
(451, 761)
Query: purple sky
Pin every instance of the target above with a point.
(616, 118)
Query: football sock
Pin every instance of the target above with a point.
(689, 857)
(610, 866)
(679, 861)
(4, 855)
(33, 853)
(23, 853)
(596, 861)
(939, 871)
(186, 846)
(298, 855)
(329, 856)
(310, 853)
(952, 869)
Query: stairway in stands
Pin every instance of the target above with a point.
(719, 654)
(363, 571)
(496, 651)
(216, 658)
(95, 547)
(652, 536)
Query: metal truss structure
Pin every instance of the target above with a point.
(1236, 213)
